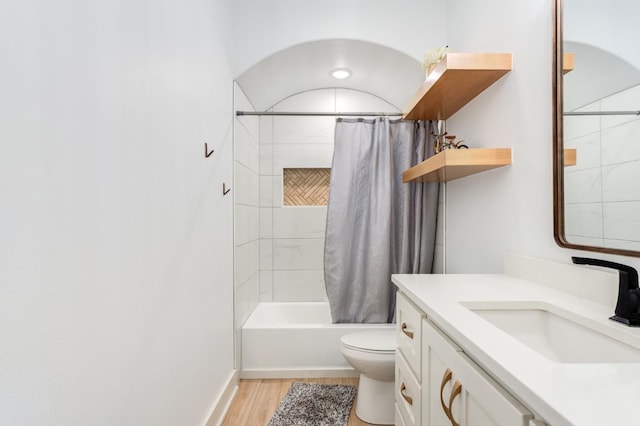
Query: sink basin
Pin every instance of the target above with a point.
(554, 336)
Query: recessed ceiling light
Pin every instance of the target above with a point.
(340, 73)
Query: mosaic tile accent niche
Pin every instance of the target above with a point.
(306, 187)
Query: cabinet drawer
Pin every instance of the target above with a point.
(408, 392)
(408, 332)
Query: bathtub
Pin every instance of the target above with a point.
(295, 340)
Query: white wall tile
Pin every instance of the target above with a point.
(578, 126)
(622, 221)
(266, 286)
(254, 257)
(266, 160)
(291, 156)
(254, 189)
(621, 182)
(266, 191)
(587, 151)
(241, 303)
(266, 222)
(242, 184)
(624, 101)
(299, 222)
(266, 130)
(254, 291)
(303, 130)
(266, 254)
(348, 100)
(583, 186)
(254, 157)
(298, 254)
(241, 264)
(241, 143)
(241, 224)
(277, 194)
(247, 261)
(584, 220)
(298, 286)
(621, 143)
(246, 299)
(620, 155)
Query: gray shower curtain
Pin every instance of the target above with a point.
(376, 225)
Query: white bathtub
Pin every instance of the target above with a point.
(295, 339)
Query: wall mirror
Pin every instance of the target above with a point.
(597, 126)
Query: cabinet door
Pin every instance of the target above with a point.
(436, 378)
(459, 392)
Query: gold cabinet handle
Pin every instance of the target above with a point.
(445, 379)
(457, 390)
(406, 397)
(403, 327)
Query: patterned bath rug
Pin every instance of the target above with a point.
(314, 404)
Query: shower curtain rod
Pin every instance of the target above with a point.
(321, 114)
(603, 113)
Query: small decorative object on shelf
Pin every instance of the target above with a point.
(450, 143)
(443, 140)
(432, 57)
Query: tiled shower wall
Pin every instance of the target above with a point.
(292, 237)
(245, 191)
(602, 195)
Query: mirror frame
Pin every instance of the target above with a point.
(558, 146)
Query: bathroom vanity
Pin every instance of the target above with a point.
(502, 350)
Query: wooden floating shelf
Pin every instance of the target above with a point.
(570, 157)
(456, 79)
(453, 164)
(567, 62)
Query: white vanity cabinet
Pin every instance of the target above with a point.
(455, 391)
(436, 384)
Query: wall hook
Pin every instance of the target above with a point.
(207, 154)
(225, 191)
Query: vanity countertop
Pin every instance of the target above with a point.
(578, 394)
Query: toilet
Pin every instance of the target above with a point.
(372, 354)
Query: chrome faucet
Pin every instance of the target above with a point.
(628, 305)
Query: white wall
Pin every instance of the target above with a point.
(602, 198)
(263, 28)
(116, 247)
(507, 209)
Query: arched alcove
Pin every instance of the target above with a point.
(375, 69)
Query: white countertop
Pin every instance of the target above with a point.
(563, 394)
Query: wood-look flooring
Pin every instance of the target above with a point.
(257, 400)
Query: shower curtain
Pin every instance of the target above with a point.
(376, 224)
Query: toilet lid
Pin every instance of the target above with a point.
(375, 340)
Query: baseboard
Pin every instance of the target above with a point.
(224, 402)
(298, 373)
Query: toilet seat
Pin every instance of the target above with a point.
(375, 341)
